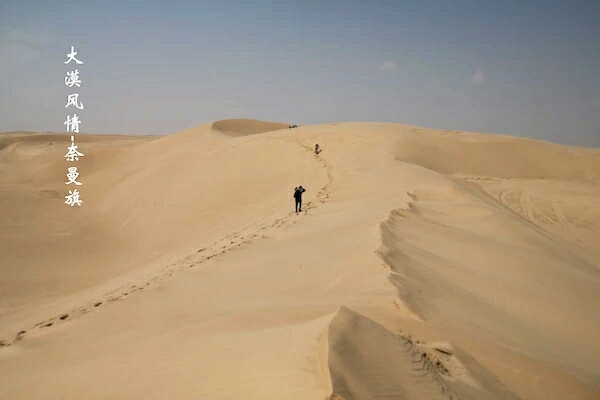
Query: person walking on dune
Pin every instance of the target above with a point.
(298, 196)
(317, 149)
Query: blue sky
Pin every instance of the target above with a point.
(526, 68)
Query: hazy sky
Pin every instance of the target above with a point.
(527, 68)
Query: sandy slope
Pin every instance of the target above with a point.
(187, 275)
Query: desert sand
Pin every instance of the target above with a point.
(426, 264)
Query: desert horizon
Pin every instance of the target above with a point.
(425, 264)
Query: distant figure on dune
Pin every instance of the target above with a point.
(298, 196)
(317, 148)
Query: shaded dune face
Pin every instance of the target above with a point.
(245, 127)
(41, 237)
(368, 362)
(464, 254)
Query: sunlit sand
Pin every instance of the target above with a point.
(426, 264)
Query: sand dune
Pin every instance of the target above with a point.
(498, 156)
(426, 264)
(245, 127)
(516, 283)
(369, 362)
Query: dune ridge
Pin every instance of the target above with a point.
(447, 262)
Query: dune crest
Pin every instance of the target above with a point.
(245, 127)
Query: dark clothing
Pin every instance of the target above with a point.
(298, 193)
(298, 196)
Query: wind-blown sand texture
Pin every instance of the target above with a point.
(426, 264)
